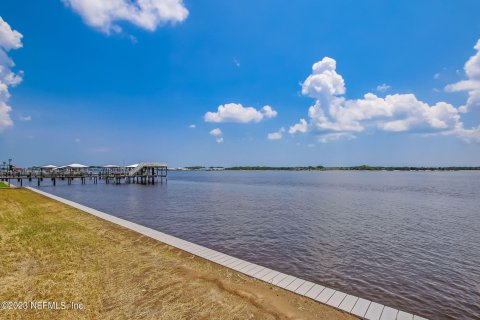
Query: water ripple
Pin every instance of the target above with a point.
(410, 240)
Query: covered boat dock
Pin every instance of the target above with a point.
(143, 173)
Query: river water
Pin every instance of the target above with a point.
(409, 240)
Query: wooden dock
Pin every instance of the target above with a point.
(141, 173)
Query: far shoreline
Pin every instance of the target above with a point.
(322, 168)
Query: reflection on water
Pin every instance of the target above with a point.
(410, 240)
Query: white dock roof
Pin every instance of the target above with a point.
(76, 165)
(112, 166)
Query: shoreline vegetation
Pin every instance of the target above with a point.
(52, 252)
(304, 168)
(322, 168)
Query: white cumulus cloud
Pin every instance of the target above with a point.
(105, 15)
(472, 84)
(236, 112)
(468, 135)
(301, 126)
(335, 117)
(9, 39)
(324, 82)
(329, 137)
(268, 112)
(217, 133)
(276, 135)
(383, 87)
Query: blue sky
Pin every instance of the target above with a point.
(124, 86)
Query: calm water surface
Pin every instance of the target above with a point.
(410, 240)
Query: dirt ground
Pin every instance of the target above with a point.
(87, 268)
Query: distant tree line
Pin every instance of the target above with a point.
(309, 168)
(363, 168)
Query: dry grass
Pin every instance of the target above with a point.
(52, 252)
